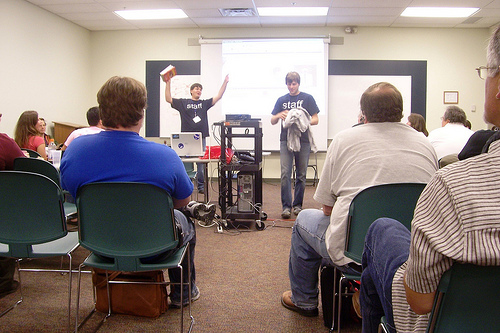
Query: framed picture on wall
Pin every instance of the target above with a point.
(450, 97)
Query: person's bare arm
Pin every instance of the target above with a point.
(168, 94)
(314, 119)
(178, 203)
(41, 150)
(281, 115)
(419, 303)
(327, 210)
(222, 89)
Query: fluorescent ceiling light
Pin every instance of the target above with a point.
(438, 12)
(293, 11)
(151, 14)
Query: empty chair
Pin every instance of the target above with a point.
(45, 168)
(313, 164)
(189, 166)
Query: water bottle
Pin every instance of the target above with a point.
(50, 149)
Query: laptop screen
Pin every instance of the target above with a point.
(187, 144)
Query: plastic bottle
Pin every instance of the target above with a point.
(51, 148)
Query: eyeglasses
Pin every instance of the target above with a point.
(482, 71)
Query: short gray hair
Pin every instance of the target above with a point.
(493, 53)
(455, 115)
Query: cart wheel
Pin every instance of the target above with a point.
(259, 225)
(263, 216)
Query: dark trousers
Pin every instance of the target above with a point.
(7, 268)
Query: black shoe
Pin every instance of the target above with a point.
(14, 286)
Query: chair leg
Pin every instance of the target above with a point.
(189, 287)
(70, 277)
(109, 297)
(339, 312)
(77, 317)
(332, 328)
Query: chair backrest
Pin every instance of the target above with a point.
(31, 211)
(125, 221)
(448, 159)
(467, 300)
(32, 153)
(396, 201)
(189, 166)
(39, 166)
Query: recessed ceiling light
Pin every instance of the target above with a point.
(438, 12)
(151, 14)
(293, 11)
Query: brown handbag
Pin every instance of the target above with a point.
(132, 299)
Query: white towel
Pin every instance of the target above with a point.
(297, 122)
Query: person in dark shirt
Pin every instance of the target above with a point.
(294, 100)
(194, 115)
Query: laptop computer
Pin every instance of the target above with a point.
(187, 144)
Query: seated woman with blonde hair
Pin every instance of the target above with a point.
(417, 121)
(27, 133)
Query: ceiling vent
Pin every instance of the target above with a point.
(237, 12)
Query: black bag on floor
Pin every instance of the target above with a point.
(326, 282)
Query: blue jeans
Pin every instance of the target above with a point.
(286, 160)
(189, 235)
(387, 246)
(307, 253)
(200, 167)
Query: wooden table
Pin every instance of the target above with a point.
(62, 130)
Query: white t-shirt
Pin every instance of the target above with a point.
(367, 155)
(82, 131)
(449, 139)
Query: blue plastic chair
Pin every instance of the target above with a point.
(122, 223)
(32, 223)
(397, 201)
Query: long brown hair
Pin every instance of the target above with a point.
(26, 127)
(417, 121)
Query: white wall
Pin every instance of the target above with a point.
(451, 54)
(45, 66)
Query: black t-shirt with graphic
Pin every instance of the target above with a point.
(288, 102)
(189, 110)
